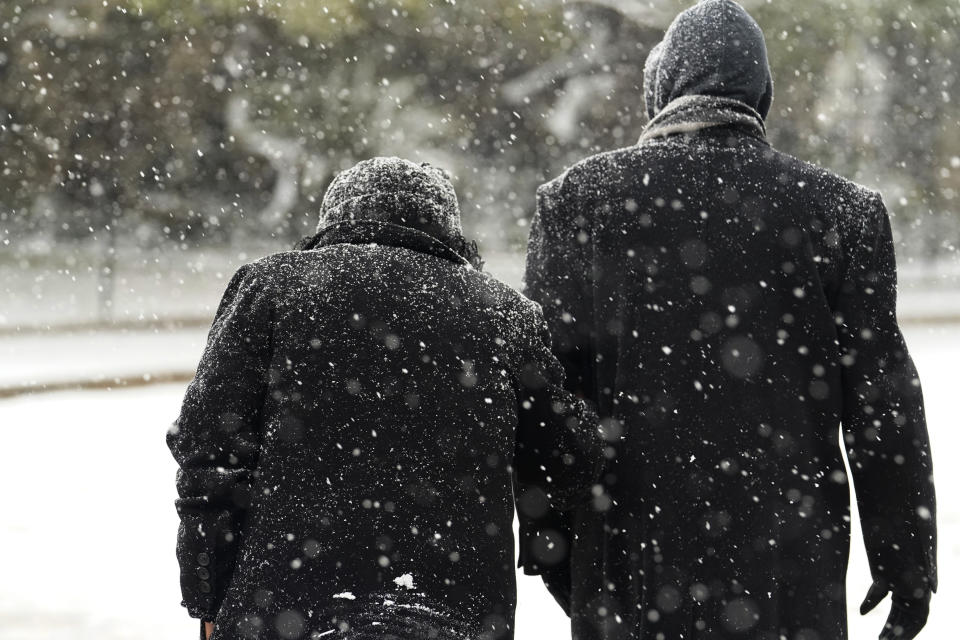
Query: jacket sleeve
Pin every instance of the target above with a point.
(883, 420)
(559, 449)
(557, 277)
(559, 459)
(216, 443)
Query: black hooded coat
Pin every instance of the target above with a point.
(732, 311)
(348, 446)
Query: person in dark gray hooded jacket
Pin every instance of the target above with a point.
(364, 405)
(730, 310)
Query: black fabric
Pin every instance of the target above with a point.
(381, 233)
(350, 443)
(714, 48)
(908, 613)
(732, 310)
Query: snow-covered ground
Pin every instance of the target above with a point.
(88, 526)
(39, 359)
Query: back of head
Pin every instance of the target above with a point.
(714, 48)
(394, 190)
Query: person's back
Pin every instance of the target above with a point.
(728, 306)
(370, 389)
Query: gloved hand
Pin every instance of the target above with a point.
(907, 616)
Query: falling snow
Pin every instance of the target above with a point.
(168, 164)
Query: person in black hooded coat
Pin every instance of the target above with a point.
(348, 446)
(728, 308)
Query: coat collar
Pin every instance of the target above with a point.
(381, 233)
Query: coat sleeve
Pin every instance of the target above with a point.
(559, 449)
(559, 458)
(216, 443)
(557, 276)
(884, 427)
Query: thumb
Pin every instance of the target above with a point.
(875, 595)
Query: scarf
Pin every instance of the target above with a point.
(688, 114)
(456, 249)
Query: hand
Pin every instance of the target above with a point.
(907, 615)
(207, 629)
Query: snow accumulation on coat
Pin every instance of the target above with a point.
(350, 443)
(731, 311)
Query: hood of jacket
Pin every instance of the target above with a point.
(393, 201)
(390, 189)
(714, 48)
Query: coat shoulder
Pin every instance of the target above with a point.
(267, 262)
(505, 297)
(560, 200)
(853, 207)
(277, 267)
(517, 316)
(272, 269)
(843, 191)
(585, 175)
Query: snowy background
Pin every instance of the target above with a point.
(149, 147)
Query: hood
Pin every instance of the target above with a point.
(394, 190)
(714, 48)
(390, 200)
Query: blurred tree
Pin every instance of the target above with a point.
(200, 122)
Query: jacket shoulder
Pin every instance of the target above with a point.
(271, 272)
(503, 295)
(584, 176)
(854, 210)
(842, 191)
(517, 310)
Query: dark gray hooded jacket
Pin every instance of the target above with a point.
(730, 310)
